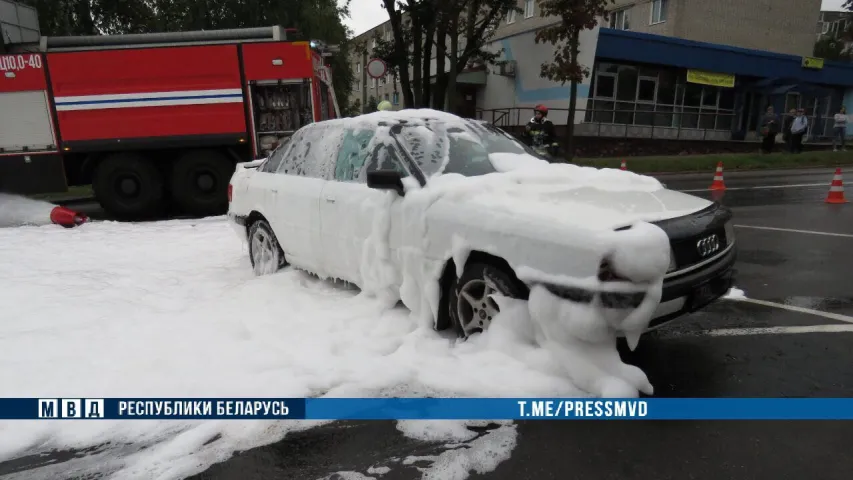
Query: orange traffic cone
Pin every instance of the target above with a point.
(624, 166)
(66, 217)
(718, 183)
(836, 189)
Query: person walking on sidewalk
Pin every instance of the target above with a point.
(798, 130)
(769, 130)
(839, 131)
(786, 127)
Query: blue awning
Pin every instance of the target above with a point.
(621, 45)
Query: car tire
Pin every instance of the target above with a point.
(265, 254)
(199, 182)
(469, 309)
(129, 186)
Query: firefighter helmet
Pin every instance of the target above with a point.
(384, 105)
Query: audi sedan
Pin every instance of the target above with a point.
(443, 212)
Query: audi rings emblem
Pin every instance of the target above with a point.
(708, 245)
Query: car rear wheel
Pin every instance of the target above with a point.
(264, 251)
(470, 307)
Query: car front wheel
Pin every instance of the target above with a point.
(264, 251)
(470, 307)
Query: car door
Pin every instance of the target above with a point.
(307, 168)
(304, 173)
(350, 211)
(262, 190)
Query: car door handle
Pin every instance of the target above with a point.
(330, 199)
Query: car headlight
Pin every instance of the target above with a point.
(672, 264)
(730, 233)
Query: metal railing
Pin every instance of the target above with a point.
(633, 123)
(656, 121)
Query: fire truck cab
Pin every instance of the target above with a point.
(154, 122)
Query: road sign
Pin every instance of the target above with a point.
(376, 68)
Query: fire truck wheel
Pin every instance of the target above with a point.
(200, 182)
(129, 185)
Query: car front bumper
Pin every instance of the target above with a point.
(692, 291)
(683, 292)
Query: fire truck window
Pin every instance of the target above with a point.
(353, 154)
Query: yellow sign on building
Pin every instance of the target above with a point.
(811, 62)
(726, 80)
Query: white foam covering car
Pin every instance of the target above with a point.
(449, 215)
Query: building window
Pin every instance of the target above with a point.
(510, 17)
(659, 98)
(357, 68)
(356, 86)
(620, 19)
(529, 8)
(659, 11)
(396, 98)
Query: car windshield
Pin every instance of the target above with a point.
(462, 148)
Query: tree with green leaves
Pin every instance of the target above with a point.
(93, 17)
(372, 105)
(474, 23)
(574, 16)
(458, 31)
(831, 48)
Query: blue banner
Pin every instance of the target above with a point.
(426, 408)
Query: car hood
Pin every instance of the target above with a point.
(591, 198)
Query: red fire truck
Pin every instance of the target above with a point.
(154, 121)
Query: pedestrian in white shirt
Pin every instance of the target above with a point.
(839, 132)
(798, 130)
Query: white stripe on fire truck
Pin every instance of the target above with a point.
(153, 99)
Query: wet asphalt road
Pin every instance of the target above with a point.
(708, 354)
(789, 268)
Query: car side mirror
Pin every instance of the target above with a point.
(386, 180)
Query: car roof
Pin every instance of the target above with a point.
(422, 116)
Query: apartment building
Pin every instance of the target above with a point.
(781, 26)
(766, 27)
(832, 24)
(364, 87)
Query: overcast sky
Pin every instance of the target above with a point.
(366, 14)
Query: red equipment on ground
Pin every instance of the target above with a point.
(154, 121)
(67, 218)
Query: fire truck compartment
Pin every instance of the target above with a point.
(147, 93)
(25, 122)
(279, 109)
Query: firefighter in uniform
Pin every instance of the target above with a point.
(540, 133)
